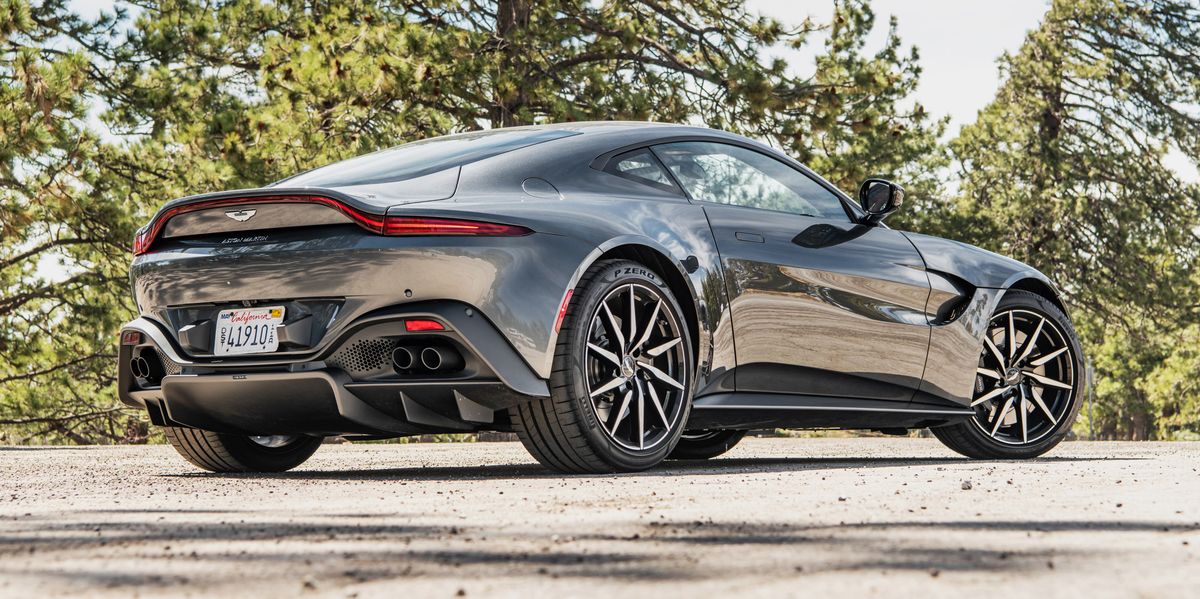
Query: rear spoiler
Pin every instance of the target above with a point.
(357, 203)
(366, 215)
(371, 217)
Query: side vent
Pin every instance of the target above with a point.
(948, 298)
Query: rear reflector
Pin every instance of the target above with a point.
(131, 338)
(417, 326)
(562, 310)
(375, 223)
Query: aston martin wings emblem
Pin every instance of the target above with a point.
(241, 216)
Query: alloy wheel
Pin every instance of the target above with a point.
(273, 441)
(701, 435)
(636, 368)
(1025, 380)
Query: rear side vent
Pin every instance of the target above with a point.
(365, 357)
(170, 367)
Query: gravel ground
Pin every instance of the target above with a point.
(873, 517)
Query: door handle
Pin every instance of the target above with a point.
(749, 237)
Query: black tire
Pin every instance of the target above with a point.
(702, 445)
(565, 431)
(968, 438)
(221, 452)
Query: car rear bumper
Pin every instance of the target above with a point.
(329, 278)
(346, 388)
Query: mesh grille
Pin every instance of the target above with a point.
(169, 367)
(365, 357)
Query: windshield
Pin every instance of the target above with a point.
(423, 157)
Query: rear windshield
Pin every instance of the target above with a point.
(424, 157)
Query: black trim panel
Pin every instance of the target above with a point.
(325, 403)
(769, 410)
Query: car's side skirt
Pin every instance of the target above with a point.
(769, 410)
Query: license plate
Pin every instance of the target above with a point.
(247, 331)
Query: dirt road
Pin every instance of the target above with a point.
(778, 517)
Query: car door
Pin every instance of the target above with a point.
(820, 305)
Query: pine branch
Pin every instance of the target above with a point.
(59, 420)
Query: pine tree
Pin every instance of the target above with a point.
(1064, 170)
(56, 322)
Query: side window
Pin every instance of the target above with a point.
(726, 174)
(641, 166)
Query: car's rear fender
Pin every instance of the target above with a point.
(670, 236)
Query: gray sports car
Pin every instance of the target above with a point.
(614, 293)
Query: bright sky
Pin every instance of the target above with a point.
(959, 42)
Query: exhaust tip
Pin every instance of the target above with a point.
(403, 358)
(431, 358)
(441, 359)
(140, 367)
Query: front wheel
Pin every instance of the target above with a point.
(702, 445)
(223, 452)
(620, 389)
(1029, 383)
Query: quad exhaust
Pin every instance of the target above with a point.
(431, 359)
(140, 367)
(404, 358)
(147, 369)
(441, 359)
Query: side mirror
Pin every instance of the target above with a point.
(879, 198)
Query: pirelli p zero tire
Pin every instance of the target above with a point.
(702, 445)
(1029, 385)
(621, 385)
(221, 452)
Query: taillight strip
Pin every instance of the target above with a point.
(380, 225)
(419, 225)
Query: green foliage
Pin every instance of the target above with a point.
(104, 121)
(1064, 170)
(56, 332)
(1173, 388)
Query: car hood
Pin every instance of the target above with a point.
(972, 264)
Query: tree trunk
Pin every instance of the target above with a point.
(512, 17)
(1141, 426)
(1046, 178)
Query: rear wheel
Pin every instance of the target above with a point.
(702, 445)
(1028, 384)
(222, 452)
(622, 379)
